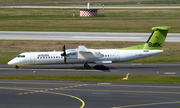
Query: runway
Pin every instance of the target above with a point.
(97, 69)
(83, 36)
(69, 94)
(97, 7)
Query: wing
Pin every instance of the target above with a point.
(84, 53)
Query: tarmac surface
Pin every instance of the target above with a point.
(75, 94)
(83, 36)
(96, 69)
(70, 94)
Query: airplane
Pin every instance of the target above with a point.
(84, 55)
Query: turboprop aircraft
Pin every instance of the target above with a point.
(84, 55)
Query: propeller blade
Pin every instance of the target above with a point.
(64, 48)
(65, 59)
(64, 54)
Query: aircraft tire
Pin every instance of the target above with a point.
(17, 67)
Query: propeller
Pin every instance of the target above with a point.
(64, 54)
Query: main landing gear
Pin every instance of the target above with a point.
(17, 67)
(87, 66)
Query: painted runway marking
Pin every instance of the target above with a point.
(48, 91)
(51, 89)
(105, 83)
(13, 88)
(162, 103)
(103, 92)
(170, 73)
(19, 93)
(83, 103)
(125, 91)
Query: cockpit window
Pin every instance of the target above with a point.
(21, 56)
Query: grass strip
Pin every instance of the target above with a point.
(7, 56)
(114, 20)
(103, 78)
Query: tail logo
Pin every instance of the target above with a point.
(156, 44)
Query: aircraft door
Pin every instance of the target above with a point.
(32, 58)
(117, 56)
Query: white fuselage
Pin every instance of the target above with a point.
(107, 56)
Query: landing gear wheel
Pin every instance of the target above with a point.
(87, 66)
(17, 67)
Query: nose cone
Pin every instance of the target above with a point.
(12, 62)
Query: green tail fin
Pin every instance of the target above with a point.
(157, 38)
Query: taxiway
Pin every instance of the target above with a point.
(166, 69)
(69, 94)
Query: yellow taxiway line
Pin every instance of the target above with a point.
(30, 91)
